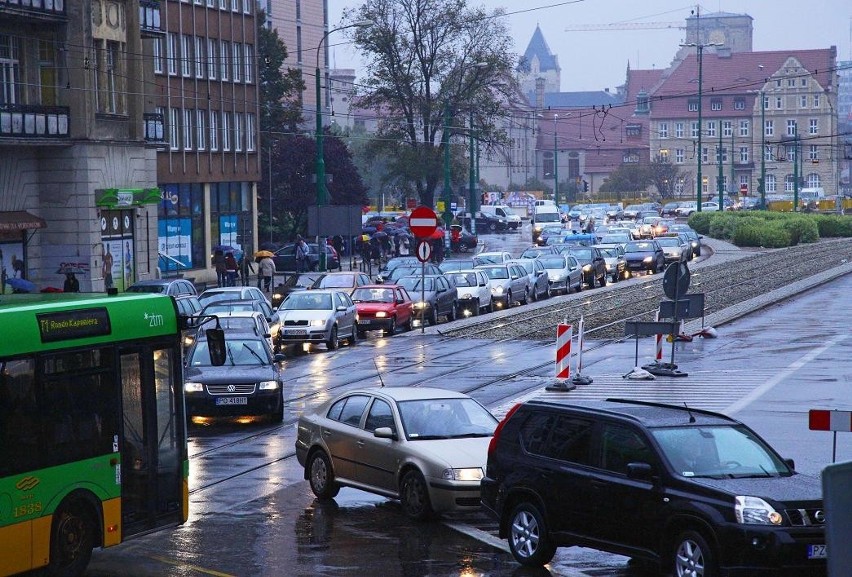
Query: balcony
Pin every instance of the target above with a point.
(149, 19)
(52, 10)
(44, 122)
(154, 128)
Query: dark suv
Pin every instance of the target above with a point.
(686, 491)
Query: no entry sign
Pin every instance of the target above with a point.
(423, 222)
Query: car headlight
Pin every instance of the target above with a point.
(587, 267)
(756, 511)
(648, 259)
(381, 314)
(188, 340)
(317, 323)
(609, 266)
(267, 385)
(421, 305)
(694, 244)
(538, 228)
(193, 387)
(497, 290)
(470, 474)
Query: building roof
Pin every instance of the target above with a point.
(582, 99)
(538, 48)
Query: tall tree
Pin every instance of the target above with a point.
(432, 65)
(663, 174)
(626, 178)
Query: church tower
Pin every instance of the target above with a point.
(539, 62)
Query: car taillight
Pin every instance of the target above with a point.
(493, 444)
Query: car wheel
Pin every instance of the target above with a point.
(409, 324)
(693, 556)
(278, 415)
(474, 308)
(492, 226)
(490, 307)
(331, 343)
(463, 247)
(528, 539)
(391, 328)
(353, 337)
(603, 280)
(433, 317)
(591, 281)
(362, 333)
(72, 539)
(321, 476)
(509, 300)
(526, 298)
(451, 314)
(414, 496)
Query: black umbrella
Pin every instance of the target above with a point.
(68, 269)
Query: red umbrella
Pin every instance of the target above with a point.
(439, 233)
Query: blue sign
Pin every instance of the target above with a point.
(174, 242)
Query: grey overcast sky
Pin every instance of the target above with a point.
(594, 60)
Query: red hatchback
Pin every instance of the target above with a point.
(384, 307)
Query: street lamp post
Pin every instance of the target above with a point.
(322, 192)
(555, 163)
(473, 180)
(762, 151)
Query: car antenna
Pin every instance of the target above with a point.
(378, 372)
(691, 417)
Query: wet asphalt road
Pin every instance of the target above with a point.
(767, 369)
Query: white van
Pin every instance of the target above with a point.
(502, 211)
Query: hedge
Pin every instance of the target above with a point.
(770, 229)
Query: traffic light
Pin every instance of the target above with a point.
(585, 186)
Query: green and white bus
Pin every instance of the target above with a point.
(92, 428)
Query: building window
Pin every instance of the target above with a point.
(199, 57)
(767, 153)
(803, 81)
(237, 64)
(299, 44)
(739, 103)
(212, 53)
(813, 152)
(10, 72)
(790, 153)
(664, 154)
(248, 58)
(813, 180)
(186, 55)
(716, 104)
(235, 6)
(771, 183)
(663, 129)
(679, 185)
(633, 130)
(225, 60)
(744, 127)
(172, 53)
(704, 155)
(791, 82)
(239, 121)
(678, 129)
(201, 129)
(223, 4)
(816, 100)
(777, 83)
(158, 55)
(727, 128)
(769, 128)
(187, 129)
(174, 128)
(692, 105)
(791, 127)
(214, 131)
(765, 102)
(724, 155)
(779, 101)
(743, 154)
(679, 156)
(789, 183)
(813, 126)
(630, 157)
(803, 101)
(694, 128)
(110, 77)
(251, 132)
(711, 128)
(226, 131)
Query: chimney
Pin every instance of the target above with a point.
(539, 92)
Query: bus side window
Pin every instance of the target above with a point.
(19, 418)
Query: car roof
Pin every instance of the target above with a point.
(409, 393)
(645, 413)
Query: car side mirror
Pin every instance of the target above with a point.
(400, 301)
(385, 433)
(790, 463)
(279, 357)
(639, 471)
(341, 309)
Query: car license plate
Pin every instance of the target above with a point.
(364, 321)
(816, 552)
(220, 401)
(295, 331)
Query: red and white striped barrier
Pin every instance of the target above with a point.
(564, 334)
(825, 420)
(659, 341)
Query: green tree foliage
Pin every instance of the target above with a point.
(280, 110)
(431, 62)
(627, 178)
(663, 175)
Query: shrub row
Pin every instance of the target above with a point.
(770, 229)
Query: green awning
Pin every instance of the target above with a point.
(127, 197)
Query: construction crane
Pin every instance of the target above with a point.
(626, 26)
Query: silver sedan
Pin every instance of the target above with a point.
(426, 447)
(564, 272)
(320, 316)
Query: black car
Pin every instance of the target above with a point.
(292, 283)
(644, 255)
(249, 383)
(176, 287)
(593, 262)
(285, 258)
(685, 492)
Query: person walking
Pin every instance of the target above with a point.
(218, 262)
(301, 254)
(266, 269)
(72, 285)
(246, 269)
(337, 243)
(231, 269)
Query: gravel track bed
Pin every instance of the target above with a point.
(725, 279)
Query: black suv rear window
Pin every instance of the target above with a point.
(560, 437)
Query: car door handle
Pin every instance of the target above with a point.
(360, 443)
(326, 433)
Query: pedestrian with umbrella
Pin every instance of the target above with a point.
(71, 285)
(266, 269)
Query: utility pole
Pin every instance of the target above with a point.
(555, 163)
(796, 169)
(447, 194)
(732, 187)
(472, 182)
(762, 184)
(720, 179)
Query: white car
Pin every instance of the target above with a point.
(318, 316)
(474, 291)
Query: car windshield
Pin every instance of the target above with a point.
(718, 452)
(425, 419)
(547, 217)
(372, 295)
(668, 241)
(463, 278)
(614, 238)
(497, 272)
(238, 353)
(238, 323)
(527, 264)
(553, 261)
(639, 247)
(307, 300)
(300, 281)
(610, 252)
(483, 258)
(582, 254)
(402, 271)
(412, 283)
(146, 288)
(336, 281)
(451, 265)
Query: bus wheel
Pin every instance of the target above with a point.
(72, 539)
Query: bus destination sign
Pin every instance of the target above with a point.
(77, 324)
